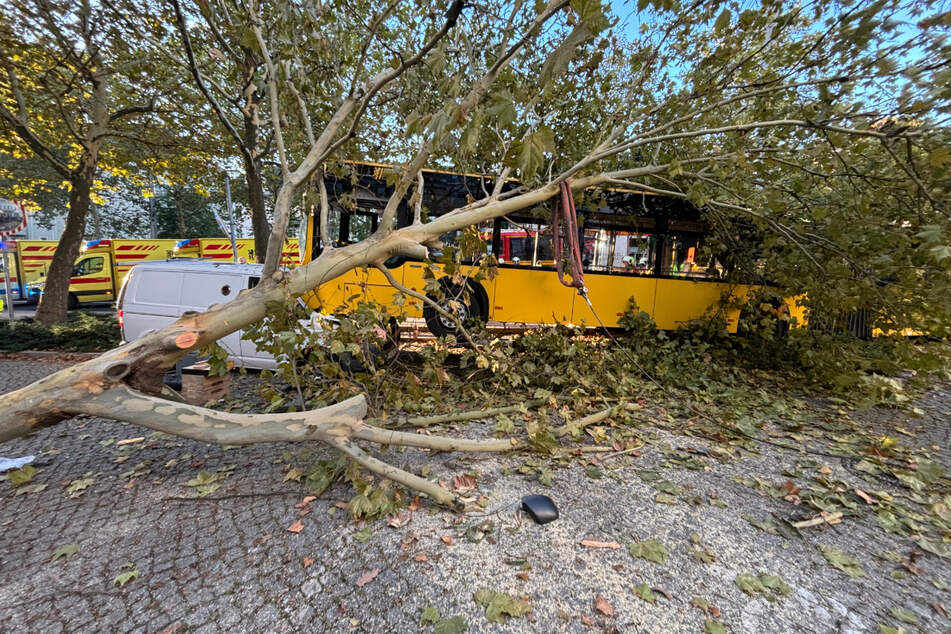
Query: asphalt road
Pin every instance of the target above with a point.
(227, 562)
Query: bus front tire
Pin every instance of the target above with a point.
(72, 302)
(468, 308)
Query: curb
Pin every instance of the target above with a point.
(49, 355)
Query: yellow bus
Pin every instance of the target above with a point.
(634, 245)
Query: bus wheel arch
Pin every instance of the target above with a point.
(477, 306)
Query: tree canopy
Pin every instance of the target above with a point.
(819, 129)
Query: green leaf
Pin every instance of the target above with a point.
(66, 551)
(750, 584)
(557, 62)
(767, 525)
(36, 487)
(713, 627)
(649, 549)
(644, 592)
(904, 615)
(534, 148)
(455, 625)
(939, 157)
(546, 476)
(774, 583)
(770, 586)
(19, 477)
(78, 486)
(430, 615)
(500, 606)
(842, 561)
(723, 21)
(363, 535)
(206, 482)
(129, 573)
(938, 548)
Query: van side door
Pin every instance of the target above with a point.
(200, 290)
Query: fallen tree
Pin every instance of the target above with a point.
(737, 134)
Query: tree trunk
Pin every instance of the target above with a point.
(252, 174)
(96, 222)
(179, 212)
(53, 303)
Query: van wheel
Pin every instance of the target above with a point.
(456, 300)
(72, 302)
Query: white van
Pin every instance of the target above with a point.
(155, 294)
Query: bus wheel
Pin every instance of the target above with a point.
(464, 305)
(72, 302)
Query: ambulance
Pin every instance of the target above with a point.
(219, 250)
(103, 265)
(29, 261)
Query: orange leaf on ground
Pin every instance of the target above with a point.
(865, 496)
(296, 527)
(463, 483)
(367, 577)
(308, 562)
(602, 605)
(446, 539)
(593, 543)
(307, 500)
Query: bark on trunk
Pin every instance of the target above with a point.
(259, 223)
(53, 303)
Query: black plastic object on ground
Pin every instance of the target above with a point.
(541, 508)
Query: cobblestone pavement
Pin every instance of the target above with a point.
(228, 563)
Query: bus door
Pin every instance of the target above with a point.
(618, 266)
(527, 289)
(365, 283)
(92, 279)
(689, 283)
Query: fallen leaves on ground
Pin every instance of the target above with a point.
(463, 483)
(770, 586)
(706, 606)
(308, 562)
(78, 487)
(296, 527)
(500, 606)
(367, 577)
(644, 592)
(454, 625)
(904, 615)
(206, 482)
(127, 573)
(601, 605)
(649, 549)
(843, 562)
(19, 477)
(66, 551)
(713, 627)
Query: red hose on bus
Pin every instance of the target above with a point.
(564, 210)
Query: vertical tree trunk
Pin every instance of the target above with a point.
(96, 222)
(53, 303)
(179, 212)
(259, 223)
